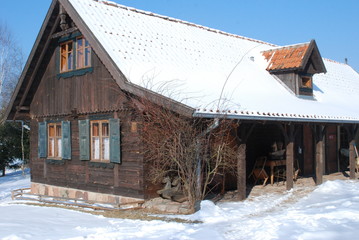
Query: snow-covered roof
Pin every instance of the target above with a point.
(212, 71)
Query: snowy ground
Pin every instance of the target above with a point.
(330, 211)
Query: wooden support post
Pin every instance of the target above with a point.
(241, 170)
(319, 154)
(352, 131)
(290, 157)
(352, 161)
(244, 133)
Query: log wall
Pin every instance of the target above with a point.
(80, 97)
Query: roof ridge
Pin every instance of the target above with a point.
(333, 61)
(113, 4)
(287, 46)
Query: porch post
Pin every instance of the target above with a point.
(290, 157)
(352, 157)
(245, 131)
(241, 171)
(352, 131)
(319, 154)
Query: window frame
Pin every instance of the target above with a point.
(53, 150)
(62, 56)
(101, 138)
(305, 84)
(86, 51)
(65, 55)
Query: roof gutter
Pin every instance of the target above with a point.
(282, 119)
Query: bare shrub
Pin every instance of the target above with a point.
(192, 149)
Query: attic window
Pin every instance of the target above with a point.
(307, 82)
(306, 87)
(66, 61)
(75, 57)
(83, 53)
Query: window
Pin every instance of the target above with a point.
(66, 59)
(307, 82)
(306, 86)
(75, 55)
(100, 141)
(54, 140)
(83, 53)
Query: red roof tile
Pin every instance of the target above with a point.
(290, 57)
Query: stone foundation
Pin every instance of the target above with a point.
(91, 197)
(167, 206)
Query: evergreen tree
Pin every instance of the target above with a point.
(10, 145)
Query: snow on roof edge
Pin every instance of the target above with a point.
(250, 115)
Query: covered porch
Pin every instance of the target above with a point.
(299, 149)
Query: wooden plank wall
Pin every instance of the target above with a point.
(308, 151)
(89, 93)
(92, 94)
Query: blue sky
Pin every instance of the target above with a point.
(333, 24)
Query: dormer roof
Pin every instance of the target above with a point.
(297, 57)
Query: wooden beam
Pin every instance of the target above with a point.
(290, 157)
(352, 162)
(319, 154)
(245, 132)
(22, 108)
(352, 131)
(241, 171)
(66, 32)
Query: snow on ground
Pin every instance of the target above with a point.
(330, 211)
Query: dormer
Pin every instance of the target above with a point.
(295, 66)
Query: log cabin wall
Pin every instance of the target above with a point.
(91, 95)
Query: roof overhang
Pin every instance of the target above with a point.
(276, 119)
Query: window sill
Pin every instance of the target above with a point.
(55, 161)
(102, 165)
(78, 72)
(305, 91)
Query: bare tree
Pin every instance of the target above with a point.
(11, 63)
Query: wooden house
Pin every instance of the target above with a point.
(90, 54)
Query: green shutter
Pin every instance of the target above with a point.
(66, 139)
(84, 138)
(42, 140)
(115, 151)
